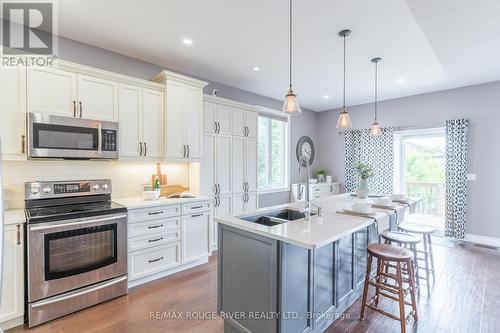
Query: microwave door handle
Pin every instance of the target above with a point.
(99, 139)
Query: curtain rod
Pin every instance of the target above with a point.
(405, 128)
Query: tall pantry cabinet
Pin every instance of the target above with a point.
(229, 164)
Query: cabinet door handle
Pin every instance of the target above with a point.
(197, 215)
(155, 213)
(217, 202)
(184, 150)
(155, 226)
(23, 144)
(155, 260)
(145, 149)
(218, 188)
(81, 109)
(140, 148)
(197, 207)
(155, 240)
(218, 127)
(18, 234)
(189, 152)
(74, 109)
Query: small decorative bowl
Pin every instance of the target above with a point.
(151, 195)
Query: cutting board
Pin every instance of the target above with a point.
(166, 190)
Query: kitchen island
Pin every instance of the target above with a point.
(298, 276)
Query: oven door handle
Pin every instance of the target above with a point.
(83, 292)
(54, 226)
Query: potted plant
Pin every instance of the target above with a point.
(365, 172)
(321, 174)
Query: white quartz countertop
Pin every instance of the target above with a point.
(14, 216)
(320, 230)
(139, 202)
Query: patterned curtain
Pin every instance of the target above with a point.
(456, 177)
(378, 152)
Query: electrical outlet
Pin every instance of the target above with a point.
(471, 177)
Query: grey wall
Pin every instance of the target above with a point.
(480, 104)
(89, 55)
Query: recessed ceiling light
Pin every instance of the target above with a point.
(326, 97)
(256, 69)
(187, 41)
(401, 80)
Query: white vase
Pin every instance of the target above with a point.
(362, 191)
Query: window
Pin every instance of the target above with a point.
(272, 154)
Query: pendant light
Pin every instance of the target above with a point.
(290, 104)
(375, 129)
(344, 120)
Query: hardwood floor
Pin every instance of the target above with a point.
(465, 298)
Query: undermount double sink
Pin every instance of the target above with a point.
(276, 217)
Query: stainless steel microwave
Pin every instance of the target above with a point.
(52, 136)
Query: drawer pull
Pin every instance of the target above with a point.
(155, 260)
(155, 213)
(196, 215)
(197, 207)
(155, 240)
(155, 226)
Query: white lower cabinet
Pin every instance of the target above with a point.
(166, 239)
(195, 236)
(12, 305)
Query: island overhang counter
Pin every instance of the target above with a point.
(298, 276)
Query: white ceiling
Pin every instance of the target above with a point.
(432, 44)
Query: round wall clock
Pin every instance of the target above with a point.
(305, 147)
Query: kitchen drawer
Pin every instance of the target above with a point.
(159, 238)
(153, 213)
(154, 226)
(153, 260)
(196, 207)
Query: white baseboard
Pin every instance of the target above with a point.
(19, 321)
(484, 240)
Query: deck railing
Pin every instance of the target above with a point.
(432, 194)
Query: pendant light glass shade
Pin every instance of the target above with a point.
(375, 129)
(290, 105)
(344, 120)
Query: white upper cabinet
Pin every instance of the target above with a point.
(224, 157)
(184, 115)
(193, 134)
(217, 118)
(245, 122)
(97, 98)
(52, 91)
(66, 93)
(130, 120)
(252, 122)
(176, 108)
(152, 122)
(13, 106)
(141, 122)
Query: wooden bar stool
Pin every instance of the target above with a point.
(408, 241)
(403, 258)
(425, 232)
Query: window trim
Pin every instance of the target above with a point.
(285, 186)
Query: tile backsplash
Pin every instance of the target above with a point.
(126, 177)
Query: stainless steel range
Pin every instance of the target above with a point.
(76, 247)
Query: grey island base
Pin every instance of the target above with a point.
(272, 279)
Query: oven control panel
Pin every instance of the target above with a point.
(47, 190)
